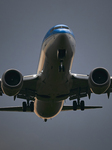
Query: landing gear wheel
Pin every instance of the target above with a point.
(24, 106)
(82, 105)
(32, 106)
(74, 105)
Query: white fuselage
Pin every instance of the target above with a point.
(54, 87)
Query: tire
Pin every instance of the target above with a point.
(74, 105)
(32, 106)
(24, 106)
(82, 105)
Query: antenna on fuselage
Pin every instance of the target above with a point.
(45, 120)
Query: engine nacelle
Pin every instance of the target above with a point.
(99, 80)
(11, 82)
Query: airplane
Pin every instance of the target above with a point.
(46, 91)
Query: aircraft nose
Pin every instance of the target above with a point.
(62, 38)
(60, 29)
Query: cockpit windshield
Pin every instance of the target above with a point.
(59, 27)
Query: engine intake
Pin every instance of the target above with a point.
(99, 80)
(12, 81)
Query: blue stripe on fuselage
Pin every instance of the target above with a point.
(58, 29)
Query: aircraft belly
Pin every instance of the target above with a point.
(54, 83)
(47, 110)
(49, 92)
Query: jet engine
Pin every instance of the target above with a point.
(99, 80)
(11, 82)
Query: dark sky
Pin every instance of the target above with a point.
(23, 25)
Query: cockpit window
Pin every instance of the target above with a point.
(59, 27)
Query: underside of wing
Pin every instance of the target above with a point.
(28, 91)
(84, 85)
(79, 86)
(14, 84)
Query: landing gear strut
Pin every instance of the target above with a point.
(61, 53)
(61, 67)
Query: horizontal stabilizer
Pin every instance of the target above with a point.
(16, 109)
(66, 108)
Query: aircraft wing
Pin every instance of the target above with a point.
(30, 83)
(80, 87)
(78, 83)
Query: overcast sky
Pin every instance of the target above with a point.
(23, 25)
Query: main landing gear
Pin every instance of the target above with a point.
(26, 106)
(78, 105)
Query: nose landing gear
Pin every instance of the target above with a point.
(61, 53)
(61, 67)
